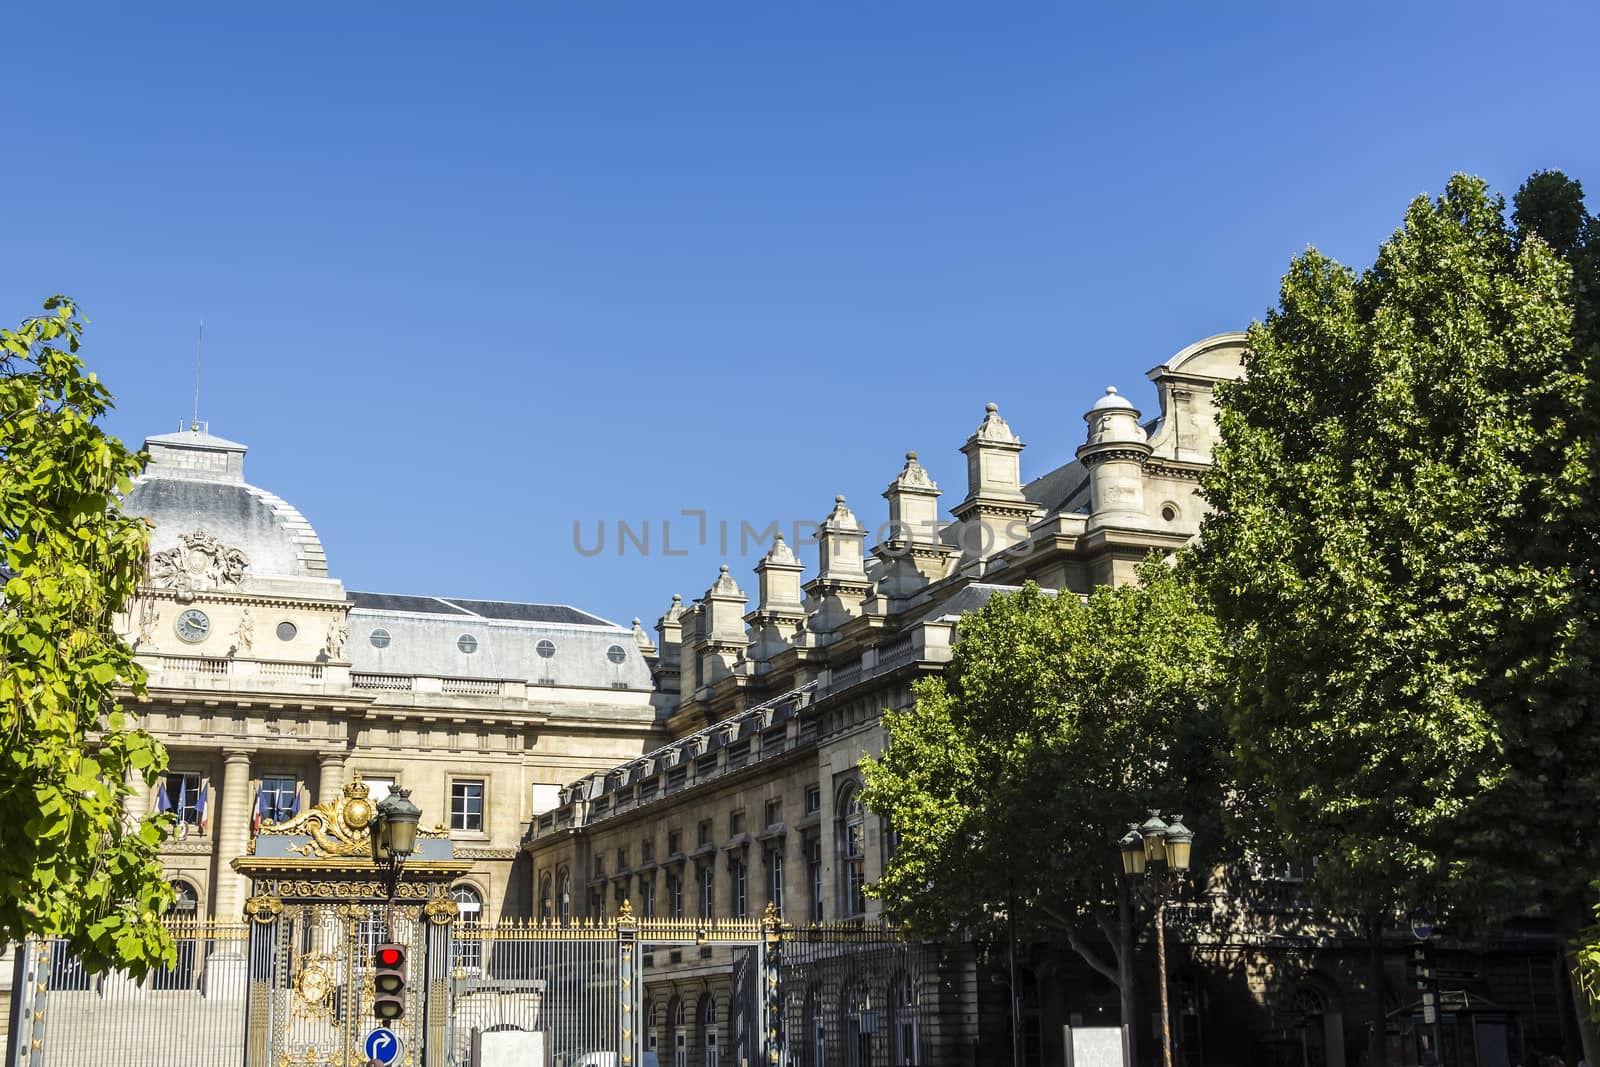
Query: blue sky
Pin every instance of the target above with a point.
(472, 274)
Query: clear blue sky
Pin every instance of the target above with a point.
(472, 272)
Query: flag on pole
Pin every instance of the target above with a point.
(163, 799)
(296, 809)
(255, 816)
(200, 805)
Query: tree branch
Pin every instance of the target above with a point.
(1092, 958)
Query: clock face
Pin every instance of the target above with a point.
(193, 625)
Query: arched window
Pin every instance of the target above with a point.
(564, 896)
(852, 837)
(680, 1034)
(708, 1032)
(904, 1034)
(186, 906)
(466, 946)
(649, 1025)
(546, 901)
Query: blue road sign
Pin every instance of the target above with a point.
(383, 1046)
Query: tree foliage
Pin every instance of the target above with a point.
(1399, 548)
(71, 864)
(1058, 721)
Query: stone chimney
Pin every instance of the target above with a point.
(995, 515)
(841, 582)
(779, 613)
(913, 556)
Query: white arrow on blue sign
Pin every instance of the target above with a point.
(383, 1046)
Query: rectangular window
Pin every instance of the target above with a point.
(735, 823)
(622, 859)
(775, 879)
(647, 896)
(813, 799)
(740, 902)
(674, 895)
(774, 811)
(813, 847)
(674, 842)
(279, 796)
(183, 794)
(703, 837)
(597, 867)
(708, 900)
(647, 851)
(466, 806)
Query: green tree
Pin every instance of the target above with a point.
(71, 863)
(1397, 551)
(1058, 721)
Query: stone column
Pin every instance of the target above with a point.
(231, 832)
(330, 776)
(135, 803)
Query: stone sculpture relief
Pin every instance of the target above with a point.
(199, 561)
(338, 634)
(246, 633)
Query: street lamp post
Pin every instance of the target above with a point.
(394, 838)
(1155, 858)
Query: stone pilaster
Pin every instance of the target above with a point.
(231, 832)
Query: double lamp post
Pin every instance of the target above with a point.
(1155, 860)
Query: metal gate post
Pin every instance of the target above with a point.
(769, 1021)
(630, 1031)
(265, 912)
(439, 948)
(30, 979)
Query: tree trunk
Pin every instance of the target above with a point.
(1378, 1026)
(1125, 980)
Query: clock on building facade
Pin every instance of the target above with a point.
(193, 625)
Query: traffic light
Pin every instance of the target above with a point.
(389, 982)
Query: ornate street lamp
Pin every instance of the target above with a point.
(1155, 860)
(394, 838)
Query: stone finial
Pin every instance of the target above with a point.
(994, 429)
(913, 476)
(841, 518)
(780, 552)
(675, 611)
(724, 585)
(641, 638)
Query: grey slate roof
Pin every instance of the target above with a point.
(507, 611)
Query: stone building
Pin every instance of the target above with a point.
(756, 797)
(271, 685)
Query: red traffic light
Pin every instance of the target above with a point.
(389, 982)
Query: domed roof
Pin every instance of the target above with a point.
(211, 528)
(1112, 401)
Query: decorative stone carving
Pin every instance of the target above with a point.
(245, 635)
(149, 615)
(338, 634)
(199, 561)
(342, 828)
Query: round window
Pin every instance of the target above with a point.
(1169, 512)
(467, 643)
(287, 630)
(615, 654)
(379, 638)
(545, 648)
